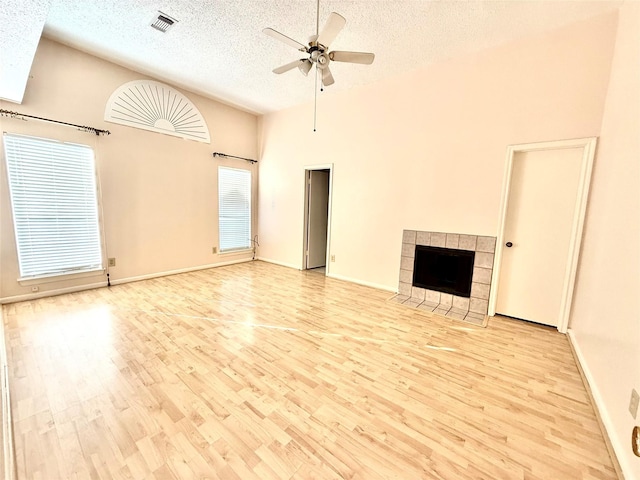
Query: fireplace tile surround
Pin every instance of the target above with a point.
(473, 309)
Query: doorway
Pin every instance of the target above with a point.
(317, 213)
(543, 207)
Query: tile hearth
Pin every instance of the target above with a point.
(444, 310)
(473, 309)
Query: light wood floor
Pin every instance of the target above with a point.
(255, 371)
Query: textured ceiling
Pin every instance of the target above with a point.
(22, 22)
(218, 49)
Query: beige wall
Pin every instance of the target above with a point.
(426, 150)
(159, 193)
(605, 322)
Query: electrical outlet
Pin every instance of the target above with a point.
(35, 288)
(333, 258)
(214, 249)
(633, 403)
(112, 262)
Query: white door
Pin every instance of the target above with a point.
(318, 205)
(538, 229)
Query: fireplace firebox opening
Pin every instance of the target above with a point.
(445, 270)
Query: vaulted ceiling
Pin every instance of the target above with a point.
(217, 47)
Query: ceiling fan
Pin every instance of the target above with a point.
(318, 53)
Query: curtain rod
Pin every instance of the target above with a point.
(218, 154)
(24, 116)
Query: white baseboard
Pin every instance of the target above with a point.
(91, 286)
(333, 275)
(282, 264)
(605, 419)
(362, 282)
(149, 276)
(51, 293)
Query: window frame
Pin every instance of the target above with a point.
(67, 272)
(250, 191)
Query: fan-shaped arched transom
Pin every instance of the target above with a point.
(156, 107)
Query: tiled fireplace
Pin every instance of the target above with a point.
(474, 308)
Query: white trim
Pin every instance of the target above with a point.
(51, 293)
(79, 288)
(306, 206)
(589, 146)
(589, 151)
(58, 277)
(234, 252)
(282, 264)
(129, 103)
(101, 222)
(335, 276)
(327, 267)
(149, 276)
(600, 405)
(377, 286)
(322, 166)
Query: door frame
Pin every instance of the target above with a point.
(588, 146)
(305, 224)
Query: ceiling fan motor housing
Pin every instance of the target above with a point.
(318, 54)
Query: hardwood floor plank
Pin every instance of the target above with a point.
(255, 371)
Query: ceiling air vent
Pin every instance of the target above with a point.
(163, 22)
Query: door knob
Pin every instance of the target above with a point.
(509, 244)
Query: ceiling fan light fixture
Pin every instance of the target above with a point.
(305, 66)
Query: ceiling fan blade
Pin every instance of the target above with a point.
(305, 66)
(327, 78)
(288, 66)
(283, 38)
(331, 29)
(352, 57)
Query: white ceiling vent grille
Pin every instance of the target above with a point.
(163, 22)
(158, 108)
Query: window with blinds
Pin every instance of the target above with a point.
(234, 200)
(55, 209)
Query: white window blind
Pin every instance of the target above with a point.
(234, 200)
(55, 209)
